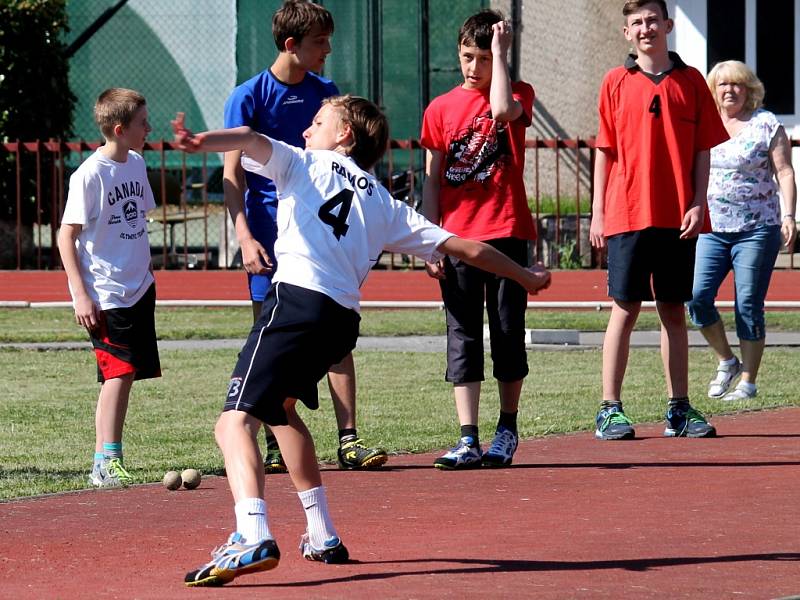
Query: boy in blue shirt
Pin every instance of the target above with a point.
(281, 102)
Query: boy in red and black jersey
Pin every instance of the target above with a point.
(475, 141)
(657, 124)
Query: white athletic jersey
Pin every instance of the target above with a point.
(110, 200)
(334, 220)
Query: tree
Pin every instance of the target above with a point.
(35, 98)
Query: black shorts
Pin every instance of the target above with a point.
(463, 291)
(298, 337)
(125, 342)
(637, 257)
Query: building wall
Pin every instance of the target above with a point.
(566, 48)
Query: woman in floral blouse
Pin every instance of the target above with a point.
(749, 220)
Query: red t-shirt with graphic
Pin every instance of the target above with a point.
(482, 193)
(651, 132)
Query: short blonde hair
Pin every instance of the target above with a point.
(737, 72)
(116, 106)
(369, 127)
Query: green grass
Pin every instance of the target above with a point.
(174, 323)
(47, 408)
(549, 205)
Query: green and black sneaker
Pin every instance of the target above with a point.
(355, 455)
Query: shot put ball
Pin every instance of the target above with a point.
(191, 478)
(172, 480)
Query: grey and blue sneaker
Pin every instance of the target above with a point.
(232, 559)
(333, 553)
(466, 455)
(110, 474)
(501, 452)
(612, 424)
(685, 421)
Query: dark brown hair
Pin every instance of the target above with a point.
(631, 6)
(477, 30)
(296, 18)
(369, 127)
(116, 106)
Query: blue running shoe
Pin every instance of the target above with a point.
(333, 553)
(612, 424)
(467, 455)
(235, 558)
(501, 452)
(685, 421)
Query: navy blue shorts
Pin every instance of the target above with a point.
(125, 342)
(298, 337)
(463, 291)
(651, 263)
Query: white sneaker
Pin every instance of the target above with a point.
(726, 376)
(741, 392)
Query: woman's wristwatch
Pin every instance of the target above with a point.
(788, 217)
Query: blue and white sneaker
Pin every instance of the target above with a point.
(501, 452)
(685, 421)
(467, 455)
(612, 424)
(235, 558)
(333, 553)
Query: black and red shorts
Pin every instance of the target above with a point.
(125, 341)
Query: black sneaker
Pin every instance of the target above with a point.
(273, 461)
(355, 455)
(333, 553)
(685, 421)
(612, 424)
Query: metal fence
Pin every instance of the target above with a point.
(189, 229)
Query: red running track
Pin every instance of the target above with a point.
(573, 518)
(50, 286)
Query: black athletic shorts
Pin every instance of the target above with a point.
(654, 254)
(125, 342)
(300, 334)
(464, 290)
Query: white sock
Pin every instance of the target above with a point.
(251, 520)
(728, 363)
(746, 386)
(320, 526)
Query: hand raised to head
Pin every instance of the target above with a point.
(502, 36)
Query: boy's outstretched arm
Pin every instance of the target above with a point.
(487, 258)
(504, 106)
(255, 145)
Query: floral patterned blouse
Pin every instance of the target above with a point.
(742, 192)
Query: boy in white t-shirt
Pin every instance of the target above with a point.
(334, 219)
(106, 255)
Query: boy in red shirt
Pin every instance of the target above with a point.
(657, 124)
(475, 141)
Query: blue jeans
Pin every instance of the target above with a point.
(751, 255)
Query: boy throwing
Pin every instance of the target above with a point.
(657, 124)
(334, 220)
(106, 255)
(475, 141)
(280, 102)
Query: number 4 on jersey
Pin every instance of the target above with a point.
(337, 221)
(655, 106)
